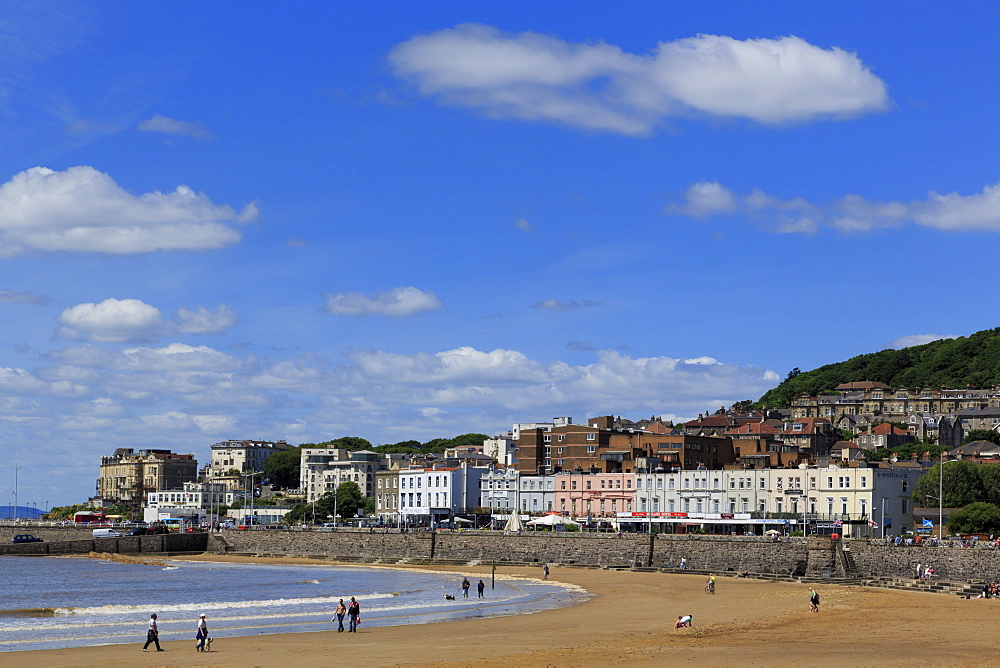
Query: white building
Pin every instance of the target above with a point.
(502, 448)
(499, 490)
(322, 470)
(194, 502)
(829, 500)
(430, 495)
(242, 456)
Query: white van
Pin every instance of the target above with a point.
(106, 533)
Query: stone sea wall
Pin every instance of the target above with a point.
(949, 563)
(815, 556)
(176, 542)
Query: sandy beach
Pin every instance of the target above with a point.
(629, 621)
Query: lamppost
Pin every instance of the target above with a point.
(883, 517)
(16, 469)
(941, 495)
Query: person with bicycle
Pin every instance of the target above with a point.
(710, 585)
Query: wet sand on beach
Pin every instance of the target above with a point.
(629, 621)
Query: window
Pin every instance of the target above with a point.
(591, 436)
(591, 449)
(547, 438)
(864, 482)
(843, 505)
(589, 484)
(638, 483)
(563, 482)
(602, 484)
(562, 436)
(659, 483)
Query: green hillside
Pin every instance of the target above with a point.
(966, 361)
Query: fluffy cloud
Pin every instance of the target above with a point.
(917, 340)
(401, 302)
(598, 86)
(953, 212)
(556, 305)
(11, 297)
(132, 320)
(172, 126)
(84, 210)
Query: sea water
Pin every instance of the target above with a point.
(50, 602)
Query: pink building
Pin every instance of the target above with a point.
(579, 494)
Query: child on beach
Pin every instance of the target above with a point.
(683, 622)
(813, 601)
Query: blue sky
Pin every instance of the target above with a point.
(396, 221)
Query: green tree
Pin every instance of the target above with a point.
(349, 499)
(348, 443)
(981, 435)
(979, 517)
(282, 468)
(990, 475)
(962, 485)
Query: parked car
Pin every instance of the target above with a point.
(139, 531)
(155, 530)
(25, 538)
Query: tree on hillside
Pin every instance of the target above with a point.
(348, 443)
(966, 361)
(979, 517)
(981, 435)
(963, 485)
(282, 468)
(906, 451)
(468, 439)
(403, 447)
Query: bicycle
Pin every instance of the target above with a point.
(710, 587)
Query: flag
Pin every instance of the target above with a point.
(873, 524)
(838, 523)
(928, 523)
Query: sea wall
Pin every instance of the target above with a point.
(949, 563)
(175, 542)
(815, 556)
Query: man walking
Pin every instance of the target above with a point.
(480, 587)
(465, 587)
(354, 615)
(152, 635)
(341, 611)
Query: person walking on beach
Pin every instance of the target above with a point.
(465, 587)
(480, 587)
(339, 616)
(545, 572)
(354, 615)
(152, 635)
(202, 634)
(813, 601)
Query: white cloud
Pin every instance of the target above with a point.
(175, 127)
(401, 302)
(132, 320)
(112, 321)
(202, 321)
(556, 305)
(598, 86)
(979, 212)
(11, 297)
(524, 225)
(917, 340)
(84, 210)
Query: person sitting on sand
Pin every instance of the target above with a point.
(683, 622)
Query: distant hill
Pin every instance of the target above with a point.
(23, 512)
(957, 363)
